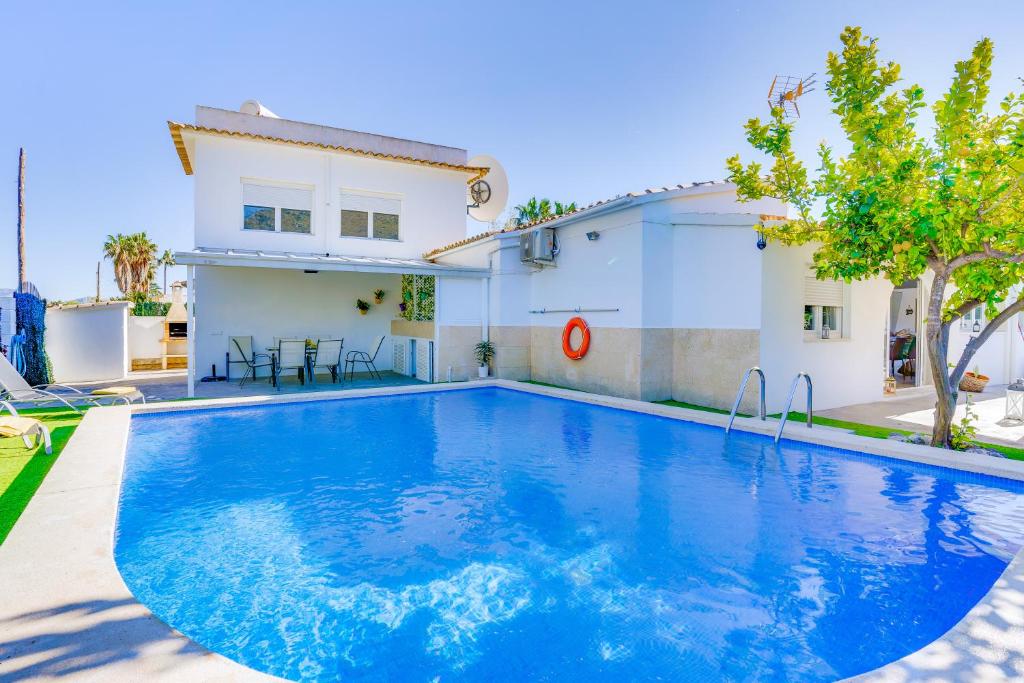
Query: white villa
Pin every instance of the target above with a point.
(295, 222)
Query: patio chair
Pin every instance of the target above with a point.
(242, 352)
(291, 355)
(353, 357)
(328, 355)
(908, 356)
(15, 390)
(25, 427)
(895, 348)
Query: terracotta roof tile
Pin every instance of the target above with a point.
(176, 129)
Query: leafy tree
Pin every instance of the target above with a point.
(902, 203)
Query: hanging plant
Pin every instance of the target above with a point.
(363, 306)
(378, 296)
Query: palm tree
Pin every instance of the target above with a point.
(538, 209)
(134, 259)
(116, 248)
(166, 259)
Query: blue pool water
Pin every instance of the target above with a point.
(490, 534)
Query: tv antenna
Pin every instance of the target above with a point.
(786, 90)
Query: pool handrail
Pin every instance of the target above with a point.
(789, 404)
(739, 396)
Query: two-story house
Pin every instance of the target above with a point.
(295, 223)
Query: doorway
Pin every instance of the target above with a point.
(905, 325)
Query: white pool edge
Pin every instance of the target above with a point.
(61, 554)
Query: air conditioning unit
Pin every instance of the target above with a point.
(537, 246)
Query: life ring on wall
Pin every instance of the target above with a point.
(570, 352)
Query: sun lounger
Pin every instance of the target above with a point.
(26, 427)
(14, 389)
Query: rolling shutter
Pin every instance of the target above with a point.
(822, 292)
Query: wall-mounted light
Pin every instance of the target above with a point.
(593, 235)
(977, 326)
(762, 241)
(910, 311)
(311, 272)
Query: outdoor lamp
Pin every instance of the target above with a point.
(762, 241)
(977, 326)
(1015, 401)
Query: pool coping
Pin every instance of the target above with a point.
(67, 611)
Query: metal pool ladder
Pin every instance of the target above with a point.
(789, 403)
(739, 396)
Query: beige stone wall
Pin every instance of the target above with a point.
(455, 349)
(656, 363)
(420, 329)
(613, 365)
(512, 351)
(709, 363)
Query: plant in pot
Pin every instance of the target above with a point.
(973, 381)
(378, 295)
(484, 354)
(363, 306)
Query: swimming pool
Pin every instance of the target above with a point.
(492, 534)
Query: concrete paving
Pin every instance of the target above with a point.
(913, 408)
(172, 385)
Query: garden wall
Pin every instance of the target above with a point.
(88, 342)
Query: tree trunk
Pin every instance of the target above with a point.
(937, 337)
(22, 278)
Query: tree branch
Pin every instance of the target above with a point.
(975, 343)
(986, 253)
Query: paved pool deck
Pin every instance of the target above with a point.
(66, 613)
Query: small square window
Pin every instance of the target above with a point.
(385, 226)
(809, 318)
(296, 220)
(354, 223)
(258, 218)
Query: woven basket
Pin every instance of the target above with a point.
(973, 382)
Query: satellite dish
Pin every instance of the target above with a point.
(486, 198)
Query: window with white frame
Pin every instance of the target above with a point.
(824, 303)
(370, 216)
(974, 318)
(274, 208)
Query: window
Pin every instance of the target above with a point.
(277, 209)
(976, 316)
(259, 217)
(372, 216)
(354, 223)
(824, 301)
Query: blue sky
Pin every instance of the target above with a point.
(580, 101)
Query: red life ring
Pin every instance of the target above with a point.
(570, 352)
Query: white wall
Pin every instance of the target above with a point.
(144, 335)
(88, 343)
(459, 301)
(604, 273)
(845, 371)
(433, 200)
(269, 302)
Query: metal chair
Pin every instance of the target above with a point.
(353, 357)
(243, 352)
(291, 355)
(328, 355)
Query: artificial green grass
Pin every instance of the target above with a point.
(694, 406)
(22, 470)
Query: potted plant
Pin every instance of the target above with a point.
(973, 381)
(378, 295)
(363, 306)
(484, 354)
